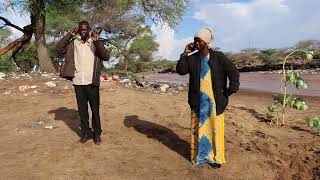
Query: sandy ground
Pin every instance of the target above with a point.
(146, 136)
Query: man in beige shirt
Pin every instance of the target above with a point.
(83, 56)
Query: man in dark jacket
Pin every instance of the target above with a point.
(208, 96)
(83, 60)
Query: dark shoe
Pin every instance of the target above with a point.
(85, 138)
(97, 140)
(215, 165)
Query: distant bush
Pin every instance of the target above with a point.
(269, 56)
(244, 59)
(141, 66)
(163, 64)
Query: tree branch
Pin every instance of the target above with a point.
(28, 31)
(8, 23)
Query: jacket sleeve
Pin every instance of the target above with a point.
(101, 51)
(233, 75)
(61, 47)
(182, 67)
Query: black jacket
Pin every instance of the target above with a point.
(221, 69)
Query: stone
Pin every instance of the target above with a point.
(50, 84)
(48, 127)
(45, 75)
(164, 87)
(124, 81)
(7, 93)
(2, 75)
(180, 88)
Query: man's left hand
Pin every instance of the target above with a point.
(95, 35)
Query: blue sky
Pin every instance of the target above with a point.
(243, 24)
(237, 24)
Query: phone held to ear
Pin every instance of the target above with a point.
(192, 47)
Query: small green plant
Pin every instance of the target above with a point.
(283, 100)
(314, 123)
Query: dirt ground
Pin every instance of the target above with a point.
(146, 136)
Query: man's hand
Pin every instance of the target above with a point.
(95, 35)
(187, 49)
(73, 31)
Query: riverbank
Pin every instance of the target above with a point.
(268, 82)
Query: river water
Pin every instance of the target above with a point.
(257, 81)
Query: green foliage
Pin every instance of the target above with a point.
(278, 99)
(296, 103)
(6, 64)
(133, 66)
(291, 101)
(273, 107)
(142, 66)
(314, 123)
(310, 54)
(61, 16)
(159, 11)
(123, 20)
(294, 77)
(144, 47)
(134, 47)
(164, 64)
(136, 66)
(287, 100)
(269, 56)
(130, 39)
(27, 57)
(5, 34)
(168, 11)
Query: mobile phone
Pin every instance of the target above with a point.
(192, 47)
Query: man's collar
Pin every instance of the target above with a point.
(89, 40)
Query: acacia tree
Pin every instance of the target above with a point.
(140, 45)
(37, 11)
(117, 17)
(124, 21)
(61, 17)
(122, 40)
(144, 47)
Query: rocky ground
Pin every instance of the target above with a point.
(145, 134)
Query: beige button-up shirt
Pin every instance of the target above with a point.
(84, 54)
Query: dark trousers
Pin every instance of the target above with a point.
(85, 94)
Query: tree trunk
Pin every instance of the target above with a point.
(38, 22)
(126, 66)
(125, 61)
